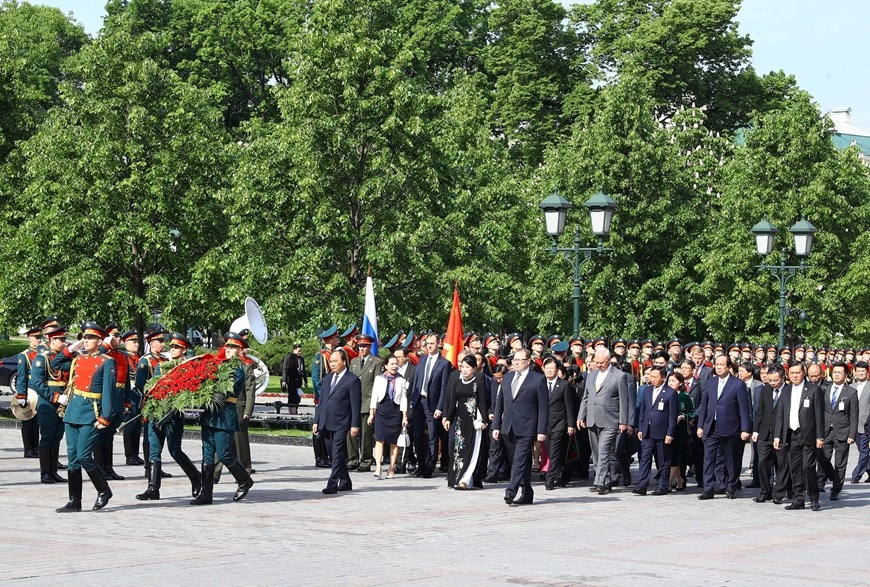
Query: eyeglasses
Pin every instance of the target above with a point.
(519, 360)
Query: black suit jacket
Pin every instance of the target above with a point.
(811, 415)
(436, 392)
(765, 413)
(841, 420)
(528, 413)
(339, 408)
(563, 408)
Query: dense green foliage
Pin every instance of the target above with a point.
(198, 151)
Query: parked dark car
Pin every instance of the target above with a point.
(9, 372)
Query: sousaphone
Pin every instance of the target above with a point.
(254, 322)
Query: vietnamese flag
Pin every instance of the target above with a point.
(453, 339)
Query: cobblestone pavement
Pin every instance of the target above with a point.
(413, 531)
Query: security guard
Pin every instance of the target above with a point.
(88, 410)
(145, 370)
(29, 428)
(132, 432)
(169, 432)
(219, 424)
(49, 384)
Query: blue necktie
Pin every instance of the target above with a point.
(834, 397)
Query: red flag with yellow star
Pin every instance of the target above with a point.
(453, 338)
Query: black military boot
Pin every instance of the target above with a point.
(104, 494)
(108, 468)
(192, 473)
(204, 497)
(242, 478)
(153, 491)
(75, 492)
(53, 464)
(131, 449)
(44, 464)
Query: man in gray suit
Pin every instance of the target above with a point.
(862, 387)
(607, 408)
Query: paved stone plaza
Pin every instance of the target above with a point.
(413, 531)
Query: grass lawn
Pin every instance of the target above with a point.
(12, 346)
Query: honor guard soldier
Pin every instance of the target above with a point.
(87, 408)
(536, 343)
(634, 360)
(29, 428)
(169, 431)
(319, 369)
(493, 349)
(785, 355)
(49, 384)
(145, 370)
(675, 351)
(121, 401)
(551, 342)
(577, 346)
(219, 424)
(348, 337)
(411, 344)
(734, 352)
(620, 347)
(133, 431)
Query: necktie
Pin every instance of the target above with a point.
(551, 387)
(334, 385)
(721, 386)
(429, 362)
(515, 385)
(834, 393)
(775, 397)
(599, 379)
(655, 396)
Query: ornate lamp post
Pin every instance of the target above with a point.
(601, 208)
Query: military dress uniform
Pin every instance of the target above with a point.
(132, 431)
(92, 377)
(145, 370)
(219, 426)
(121, 402)
(169, 432)
(29, 428)
(49, 384)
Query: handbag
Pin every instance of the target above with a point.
(404, 440)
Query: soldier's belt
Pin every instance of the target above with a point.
(120, 385)
(233, 400)
(56, 383)
(88, 394)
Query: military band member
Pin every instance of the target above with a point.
(132, 432)
(29, 428)
(49, 384)
(219, 424)
(170, 432)
(88, 410)
(350, 343)
(145, 370)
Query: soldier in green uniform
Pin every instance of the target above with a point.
(133, 431)
(366, 366)
(88, 409)
(145, 370)
(49, 384)
(218, 427)
(29, 428)
(169, 432)
(121, 401)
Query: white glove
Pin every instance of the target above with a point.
(22, 402)
(110, 342)
(63, 400)
(76, 346)
(99, 426)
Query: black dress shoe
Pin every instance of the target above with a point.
(509, 497)
(795, 506)
(135, 460)
(761, 499)
(660, 491)
(705, 496)
(777, 500)
(329, 490)
(732, 495)
(814, 505)
(549, 486)
(364, 469)
(525, 499)
(639, 491)
(491, 479)
(345, 487)
(835, 494)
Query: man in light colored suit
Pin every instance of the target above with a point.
(723, 425)
(607, 408)
(521, 415)
(862, 387)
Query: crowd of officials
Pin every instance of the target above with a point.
(508, 409)
(548, 406)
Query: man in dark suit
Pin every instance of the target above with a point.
(763, 434)
(657, 426)
(560, 422)
(498, 467)
(841, 429)
(337, 414)
(427, 403)
(521, 415)
(723, 424)
(800, 428)
(607, 409)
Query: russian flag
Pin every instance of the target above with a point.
(370, 316)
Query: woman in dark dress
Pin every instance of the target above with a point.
(464, 413)
(680, 447)
(389, 412)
